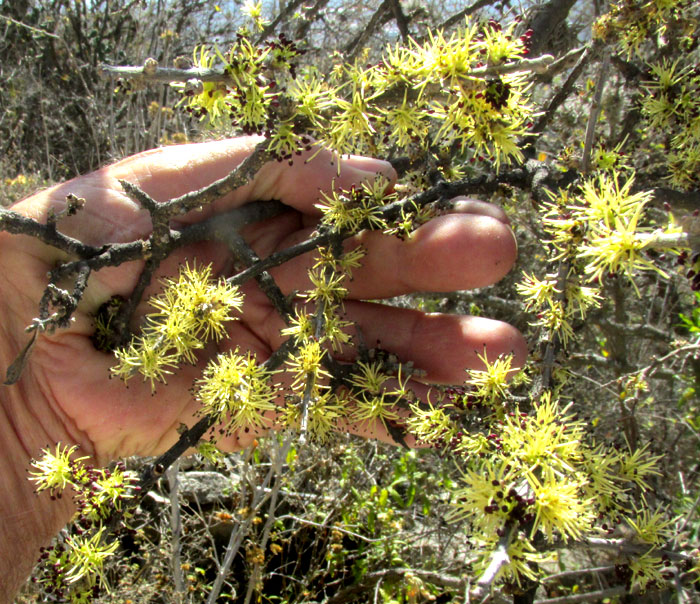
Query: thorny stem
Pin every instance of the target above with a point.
(554, 343)
(273, 495)
(15, 223)
(242, 175)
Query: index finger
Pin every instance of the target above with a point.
(172, 171)
(109, 216)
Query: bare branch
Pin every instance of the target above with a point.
(594, 114)
(464, 13)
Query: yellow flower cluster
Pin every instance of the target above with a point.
(73, 566)
(535, 475)
(191, 310)
(670, 101)
(632, 23)
(446, 88)
(595, 231)
(671, 104)
(236, 392)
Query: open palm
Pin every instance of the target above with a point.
(65, 383)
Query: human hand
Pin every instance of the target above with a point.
(65, 383)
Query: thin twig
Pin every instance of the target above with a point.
(463, 14)
(259, 498)
(596, 108)
(36, 30)
(563, 93)
(176, 530)
(15, 223)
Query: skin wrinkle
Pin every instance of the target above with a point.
(251, 339)
(11, 420)
(464, 205)
(264, 186)
(271, 325)
(487, 237)
(400, 259)
(43, 355)
(48, 360)
(264, 237)
(26, 419)
(11, 338)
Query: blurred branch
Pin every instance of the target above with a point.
(678, 200)
(563, 93)
(645, 330)
(164, 74)
(572, 574)
(371, 578)
(623, 547)
(309, 17)
(544, 23)
(594, 114)
(176, 530)
(261, 494)
(35, 30)
(283, 15)
(340, 529)
(464, 13)
(401, 19)
(656, 366)
(379, 18)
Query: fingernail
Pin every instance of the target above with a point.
(464, 205)
(368, 168)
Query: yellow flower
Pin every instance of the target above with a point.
(253, 10)
(87, 555)
(547, 439)
(491, 383)
(651, 528)
(306, 365)
(432, 425)
(560, 509)
(536, 291)
(325, 409)
(235, 390)
(197, 302)
(646, 571)
(328, 286)
(145, 355)
(370, 378)
(637, 465)
(486, 499)
(301, 325)
(372, 407)
(55, 471)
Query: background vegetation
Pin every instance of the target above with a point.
(356, 521)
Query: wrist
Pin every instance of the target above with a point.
(28, 520)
